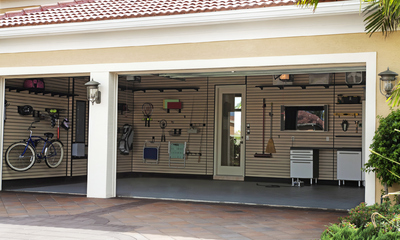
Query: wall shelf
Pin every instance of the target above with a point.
(351, 136)
(160, 89)
(304, 86)
(346, 103)
(346, 114)
(43, 92)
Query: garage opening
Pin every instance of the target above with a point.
(174, 150)
(45, 135)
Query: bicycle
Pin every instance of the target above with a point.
(21, 156)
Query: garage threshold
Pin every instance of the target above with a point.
(317, 196)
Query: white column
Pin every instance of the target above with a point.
(102, 153)
(2, 96)
(369, 126)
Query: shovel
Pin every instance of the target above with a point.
(270, 145)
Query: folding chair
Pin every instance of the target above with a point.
(177, 155)
(151, 153)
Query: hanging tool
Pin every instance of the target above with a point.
(163, 125)
(202, 132)
(263, 154)
(191, 118)
(345, 125)
(270, 145)
(58, 129)
(357, 123)
(147, 110)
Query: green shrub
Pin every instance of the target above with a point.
(358, 224)
(360, 216)
(348, 232)
(386, 142)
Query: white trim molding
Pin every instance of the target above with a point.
(367, 58)
(340, 17)
(179, 20)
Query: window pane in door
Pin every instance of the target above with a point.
(231, 129)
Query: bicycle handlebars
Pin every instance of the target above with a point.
(31, 126)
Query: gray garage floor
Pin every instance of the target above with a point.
(272, 194)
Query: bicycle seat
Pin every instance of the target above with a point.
(48, 135)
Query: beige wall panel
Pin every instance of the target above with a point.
(279, 165)
(194, 110)
(198, 107)
(16, 125)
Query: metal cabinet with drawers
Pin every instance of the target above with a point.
(304, 163)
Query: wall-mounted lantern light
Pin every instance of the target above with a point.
(93, 93)
(387, 84)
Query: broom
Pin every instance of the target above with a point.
(263, 154)
(270, 145)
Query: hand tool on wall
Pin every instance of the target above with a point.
(345, 125)
(270, 145)
(357, 123)
(163, 125)
(263, 154)
(58, 129)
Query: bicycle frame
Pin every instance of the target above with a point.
(33, 141)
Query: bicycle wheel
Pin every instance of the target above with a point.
(17, 160)
(54, 154)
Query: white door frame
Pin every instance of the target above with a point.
(218, 169)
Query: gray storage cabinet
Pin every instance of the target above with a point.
(349, 165)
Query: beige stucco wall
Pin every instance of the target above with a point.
(387, 54)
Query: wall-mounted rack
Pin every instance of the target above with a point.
(43, 92)
(304, 86)
(346, 114)
(346, 103)
(160, 89)
(350, 136)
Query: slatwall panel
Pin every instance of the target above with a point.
(198, 107)
(194, 111)
(279, 165)
(16, 125)
(79, 165)
(124, 162)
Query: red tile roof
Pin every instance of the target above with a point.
(94, 10)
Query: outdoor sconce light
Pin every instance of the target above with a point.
(387, 85)
(93, 93)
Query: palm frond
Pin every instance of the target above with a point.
(382, 15)
(394, 99)
(380, 155)
(308, 3)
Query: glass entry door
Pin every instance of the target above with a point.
(230, 130)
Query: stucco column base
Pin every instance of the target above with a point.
(102, 154)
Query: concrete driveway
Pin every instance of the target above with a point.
(56, 216)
